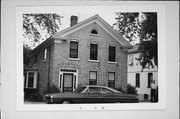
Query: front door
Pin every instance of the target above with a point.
(67, 82)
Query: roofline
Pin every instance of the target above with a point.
(115, 33)
(51, 39)
(42, 46)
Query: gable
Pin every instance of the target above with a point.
(98, 20)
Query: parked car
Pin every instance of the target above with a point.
(91, 94)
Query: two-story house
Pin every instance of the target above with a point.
(90, 52)
(139, 78)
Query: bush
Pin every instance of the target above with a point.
(52, 89)
(131, 89)
(34, 97)
(120, 89)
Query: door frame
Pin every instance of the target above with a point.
(61, 78)
(64, 79)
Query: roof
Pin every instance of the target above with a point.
(134, 49)
(94, 19)
(97, 19)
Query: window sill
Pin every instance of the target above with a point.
(94, 61)
(76, 59)
(112, 62)
(97, 35)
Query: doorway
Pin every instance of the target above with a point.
(67, 82)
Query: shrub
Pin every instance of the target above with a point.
(34, 97)
(131, 89)
(52, 89)
(120, 89)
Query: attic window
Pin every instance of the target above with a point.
(94, 32)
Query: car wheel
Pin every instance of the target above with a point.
(65, 102)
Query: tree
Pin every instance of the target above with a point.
(142, 27)
(38, 27)
(26, 56)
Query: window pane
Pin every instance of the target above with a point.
(30, 80)
(111, 76)
(94, 90)
(111, 84)
(92, 75)
(93, 51)
(106, 91)
(112, 53)
(74, 45)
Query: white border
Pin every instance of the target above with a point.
(160, 9)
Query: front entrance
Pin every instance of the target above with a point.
(67, 82)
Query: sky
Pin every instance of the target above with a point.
(83, 12)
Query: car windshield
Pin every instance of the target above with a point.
(80, 89)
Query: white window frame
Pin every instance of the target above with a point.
(34, 80)
(94, 34)
(97, 51)
(74, 40)
(45, 54)
(112, 45)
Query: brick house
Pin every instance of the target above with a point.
(138, 78)
(89, 52)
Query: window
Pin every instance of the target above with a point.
(45, 54)
(137, 80)
(31, 79)
(112, 53)
(104, 90)
(131, 60)
(94, 32)
(35, 58)
(73, 49)
(111, 79)
(92, 78)
(94, 90)
(150, 78)
(93, 51)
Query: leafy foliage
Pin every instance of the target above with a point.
(143, 27)
(35, 25)
(51, 89)
(26, 56)
(128, 25)
(131, 89)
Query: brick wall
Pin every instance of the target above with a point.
(61, 55)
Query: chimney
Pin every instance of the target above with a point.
(74, 20)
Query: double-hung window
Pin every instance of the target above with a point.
(150, 78)
(111, 79)
(93, 51)
(112, 53)
(93, 78)
(73, 49)
(137, 80)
